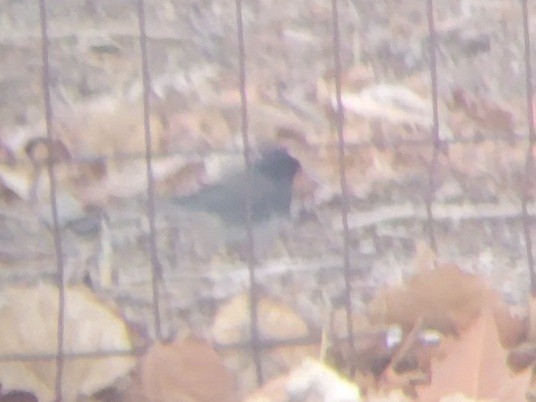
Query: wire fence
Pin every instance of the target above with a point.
(257, 345)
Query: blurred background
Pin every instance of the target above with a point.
(459, 188)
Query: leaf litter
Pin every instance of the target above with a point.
(403, 309)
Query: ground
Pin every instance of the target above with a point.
(476, 184)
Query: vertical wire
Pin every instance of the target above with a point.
(156, 269)
(435, 129)
(529, 159)
(58, 248)
(253, 293)
(340, 122)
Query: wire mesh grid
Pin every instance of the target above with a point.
(439, 145)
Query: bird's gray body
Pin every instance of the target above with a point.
(271, 191)
(217, 214)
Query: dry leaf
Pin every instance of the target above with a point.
(266, 119)
(272, 391)
(312, 381)
(485, 112)
(29, 326)
(198, 129)
(512, 327)
(447, 298)
(393, 103)
(531, 393)
(130, 179)
(531, 333)
(18, 179)
(475, 365)
(373, 345)
(522, 356)
(69, 208)
(424, 258)
(276, 321)
(106, 126)
(185, 370)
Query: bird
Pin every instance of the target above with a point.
(271, 190)
(225, 202)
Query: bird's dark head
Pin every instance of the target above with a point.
(278, 164)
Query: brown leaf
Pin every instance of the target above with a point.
(475, 365)
(447, 298)
(185, 370)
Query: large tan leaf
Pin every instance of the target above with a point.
(29, 317)
(475, 366)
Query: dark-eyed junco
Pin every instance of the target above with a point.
(221, 207)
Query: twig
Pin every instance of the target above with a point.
(442, 212)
